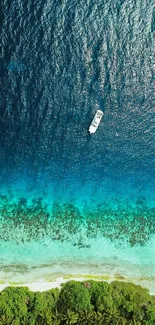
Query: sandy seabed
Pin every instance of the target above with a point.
(105, 261)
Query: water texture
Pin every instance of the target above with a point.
(62, 190)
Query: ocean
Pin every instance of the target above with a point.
(71, 202)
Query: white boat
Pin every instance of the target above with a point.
(96, 121)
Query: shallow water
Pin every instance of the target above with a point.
(59, 63)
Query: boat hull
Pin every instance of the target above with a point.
(95, 122)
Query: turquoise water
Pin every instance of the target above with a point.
(39, 241)
(71, 202)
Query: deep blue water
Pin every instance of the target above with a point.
(60, 61)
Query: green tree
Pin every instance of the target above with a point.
(100, 293)
(43, 307)
(130, 300)
(149, 310)
(77, 303)
(14, 304)
(86, 318)
(74, 296)
(111, 315)
(98, 318)
(70, 317)
(56, 317)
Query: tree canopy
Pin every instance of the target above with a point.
(79, 303)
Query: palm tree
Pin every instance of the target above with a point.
(111, 315)
(56, 318)
(134, 322)
(70, 317)
(98, 318)
(121, 321)
(86, 318)
(6, 320)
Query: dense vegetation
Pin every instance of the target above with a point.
(78, 303)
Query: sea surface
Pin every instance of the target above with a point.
(71, 201)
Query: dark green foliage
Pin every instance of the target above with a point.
(69, 317)
(43, 307)
(131, 301)
(15, 302)
(19, 306)
(74, 296)
(100, 294)
(79, 303)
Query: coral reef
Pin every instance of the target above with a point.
(21, 221)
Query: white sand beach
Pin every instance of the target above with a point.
(43, 285)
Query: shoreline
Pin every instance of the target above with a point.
(44, 285)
